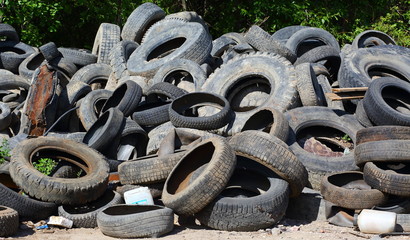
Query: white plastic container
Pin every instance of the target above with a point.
(374, 221)
(141, 196)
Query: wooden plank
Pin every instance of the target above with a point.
(344, 96)
(355, 89)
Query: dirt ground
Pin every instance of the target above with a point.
(286, 229)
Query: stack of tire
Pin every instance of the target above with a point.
(216, 128)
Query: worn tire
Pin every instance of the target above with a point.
(91, 105)
(376, 106)
(119, 56)
(107, 36)
(271, 70)
(262, 41)
(62, 191)
(148, 169)
(383, 151)
(168, 46)
(274, 154)
(182, 104)
(361, 39)
(392, 179)
(348, 190)
(140, 20)
(254, 199)
(9, 221)
(180, 69)
(380, 133)
(360, 67)
(132, 221)
(188, 198)
(295, 41)
(268, 120)
(361, 115)
(9, 32)
(310, 92)
(321, 117)
(85, 216)
(125, 98)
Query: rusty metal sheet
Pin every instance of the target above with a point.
(40, 95)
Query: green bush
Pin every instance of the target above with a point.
(74, 23)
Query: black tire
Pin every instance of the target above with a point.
(295, 41)
(180, 106)
(133, 134)
(105, 130)
(180, 70)
(28, 65)
(107, 36)
(13, 53)
(9, 82)
(85, 216)
(259, 68)
(310, 92)
(165, 89)
(125, 98)
(9, 32)
(189, 41)
(361, 115)
(262, 41)
(119, 56)
(361, 39)
(132, 221)
(383, 151)
(285, 33)
(5, 116)
(28, 208)
(349, 190)
(140, 20)
(9, 221)
(148, 169)
(62, 191)
(50, 51)
(221, 45)
(360, 67)
(256, 145)
(380, 133)
(79, 57)
(91, 106)
(376, 106)
(189, 198)
(156, 135)
(329, 54)
(254, 199)
(317, 121)
(189, 16)
(64, 67)
(268, 120)
(93, 73)
(152, 114)
(389, 178)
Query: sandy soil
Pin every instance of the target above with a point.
(286, 229)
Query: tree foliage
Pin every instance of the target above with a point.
(74, 23)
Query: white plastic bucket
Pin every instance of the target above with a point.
(374, 221)
(141, 196)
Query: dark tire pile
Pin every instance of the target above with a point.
(223, 129)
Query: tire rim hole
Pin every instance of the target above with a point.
(262, 121)
(334, 139)
(181, 177)
(241, 94)
(166, 49)
(12, 50)
(176, 77)
(396, 167)
(396, 98)
(129, 209)
(353, 181)
(383, 71)
(60, 158)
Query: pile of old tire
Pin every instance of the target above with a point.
(162, 104)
